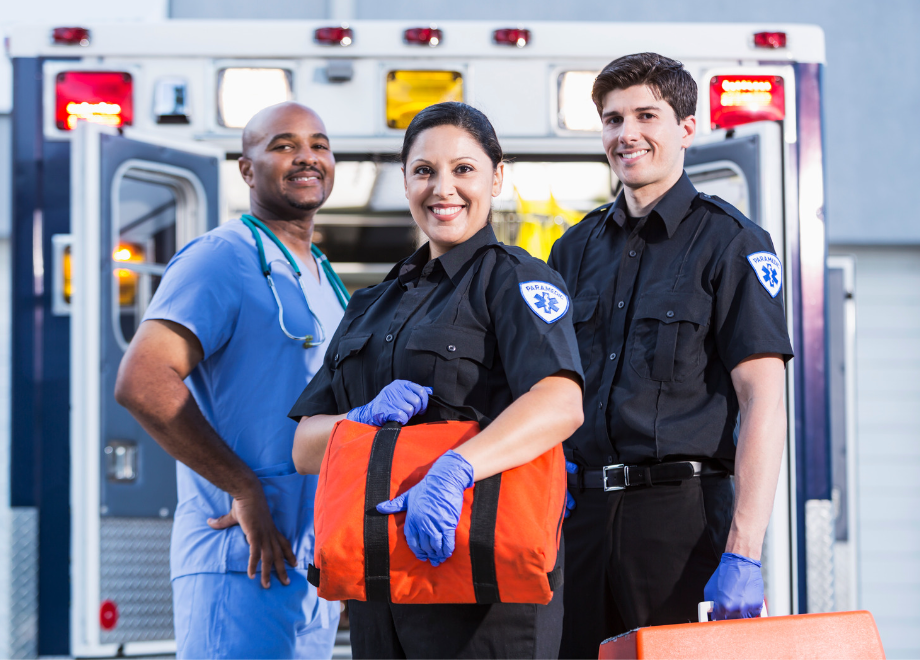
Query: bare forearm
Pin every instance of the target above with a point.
(539, 420)
(164, 406)
(310, 441)
(757, 464)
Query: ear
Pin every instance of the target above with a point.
(688, 131)
(246, 170)
(497, 178)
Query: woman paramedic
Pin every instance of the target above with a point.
(480, 324)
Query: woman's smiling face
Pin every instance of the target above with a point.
(450, 183)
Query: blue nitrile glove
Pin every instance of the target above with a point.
(433, 507)
(735, 589)
(399, 401)
(571, 468)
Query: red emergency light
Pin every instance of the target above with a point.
(430, 36)
(770, 40)
(512, 37)
(334, 36)
(99, 97)
(108, 615)
(736, 100)
(70, 36)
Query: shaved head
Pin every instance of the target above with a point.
(287, 162)
(261, 126)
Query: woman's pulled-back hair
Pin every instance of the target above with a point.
(456, 114)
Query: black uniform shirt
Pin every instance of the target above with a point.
(480, 325)
(663, 313)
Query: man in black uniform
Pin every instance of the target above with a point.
(680, 328)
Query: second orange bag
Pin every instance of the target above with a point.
(506, 541)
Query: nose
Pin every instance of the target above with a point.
(629, 131)
(305, 156)
(444, 185)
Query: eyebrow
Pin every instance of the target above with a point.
(454, 160)
(615, 113)
(292, 136)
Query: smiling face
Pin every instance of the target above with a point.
(287, 162)
(450, 183)
(644, 140)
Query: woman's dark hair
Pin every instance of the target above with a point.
(456, 114)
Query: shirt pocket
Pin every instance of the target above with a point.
(668, 333)
(453, 361)
(349, 378)
(584, 317)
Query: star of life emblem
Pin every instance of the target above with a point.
(545, 300)
(769, 271)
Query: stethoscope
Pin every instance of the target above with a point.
(340, 291)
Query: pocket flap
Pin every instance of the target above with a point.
(452, 342)
(348, 346)
(583, 308)
(671, 306)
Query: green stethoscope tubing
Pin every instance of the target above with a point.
(341, 292)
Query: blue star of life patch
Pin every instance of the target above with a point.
(545, 300)
(769, 271)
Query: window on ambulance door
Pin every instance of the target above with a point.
(150, 208)
(723, 179)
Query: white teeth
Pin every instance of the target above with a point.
(304, 178)
(450, 210)
(634, 155)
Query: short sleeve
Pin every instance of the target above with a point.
(201, 290)
(318, 397)
(749, 318)
(532, 313)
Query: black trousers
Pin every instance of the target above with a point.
(640, 557)
(502, 630)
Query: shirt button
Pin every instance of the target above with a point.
(600, 405)
(670, 314)
(610, 459)
(613, 356)
(632, 253)
(451, 348)
(389, 337)
(621, 304)
(336, 358)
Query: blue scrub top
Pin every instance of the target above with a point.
(250, 376)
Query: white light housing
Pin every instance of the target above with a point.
(576, 109)
(241, 93)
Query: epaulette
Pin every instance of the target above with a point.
(727, 208)
(603, 208)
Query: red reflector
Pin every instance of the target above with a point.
(108, 615)
(423, 36)
(512, 37)
(770, 40)
(70, 36)
(100, 97)
(334, 36)
(736, 100)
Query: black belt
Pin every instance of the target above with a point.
(618, 477)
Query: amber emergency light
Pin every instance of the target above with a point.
(127, 279)
(410, 92)
(99, 97)
(736, 100)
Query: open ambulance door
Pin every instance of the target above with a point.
(135, 202)
(744, 166)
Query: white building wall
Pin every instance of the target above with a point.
(888, 431)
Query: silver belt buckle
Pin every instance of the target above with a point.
(625, 477)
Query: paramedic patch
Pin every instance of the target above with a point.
(769, 271)
(545, 300)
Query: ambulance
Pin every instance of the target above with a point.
(126, 139)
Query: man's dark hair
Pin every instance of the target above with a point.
(461, 115)
(667, 78)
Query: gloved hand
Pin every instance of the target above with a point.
(433, 507)
(571, 468)
(397, 402)
(736, 588)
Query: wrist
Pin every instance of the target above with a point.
(249, 487)
(738, 544)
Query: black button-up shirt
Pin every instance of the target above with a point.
(663, 313)
(475, 325)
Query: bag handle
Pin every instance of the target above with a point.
(468, 412)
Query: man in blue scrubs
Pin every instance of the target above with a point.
(211, 375)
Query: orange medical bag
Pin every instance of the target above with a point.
(506, 541)
(839, 635)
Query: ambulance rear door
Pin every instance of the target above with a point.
(135, 202)
(744, 166)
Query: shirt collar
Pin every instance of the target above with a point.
(671, 209)
(452, 261)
